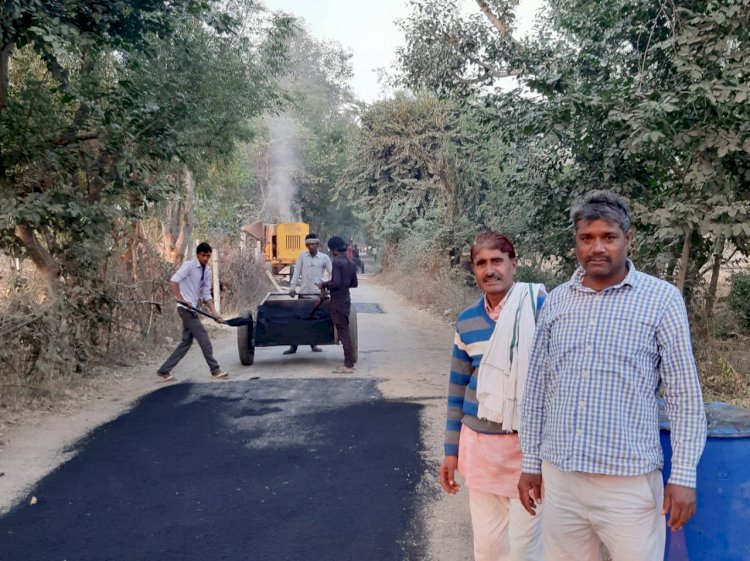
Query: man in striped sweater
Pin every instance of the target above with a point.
(489, 455)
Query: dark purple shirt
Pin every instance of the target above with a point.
(343, 277)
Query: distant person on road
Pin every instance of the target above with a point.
(488, 370)
(343, 278)
(607, 342)
(357, 259)
(191, 283)
(312, 267)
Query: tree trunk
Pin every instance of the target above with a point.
(178, 224)
(43, 259)
(715, 270)
(496, 22)
(4, 65)
(685, 260)
(134, 250)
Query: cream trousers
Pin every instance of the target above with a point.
(503, 530)
(583, 511)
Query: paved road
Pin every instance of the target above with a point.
(259, 469)
(285, 461)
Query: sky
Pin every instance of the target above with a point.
(368, 29)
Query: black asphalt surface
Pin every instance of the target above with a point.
(317, 469)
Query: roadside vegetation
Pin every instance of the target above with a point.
(130, 130)
(490, 130)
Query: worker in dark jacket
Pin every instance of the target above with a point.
(343, 277)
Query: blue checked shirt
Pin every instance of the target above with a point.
(598, 360)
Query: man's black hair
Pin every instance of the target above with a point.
(602, 205)
(337, 243)
(204, 247)
(311, 236)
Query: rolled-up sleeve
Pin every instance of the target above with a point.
(181, 273)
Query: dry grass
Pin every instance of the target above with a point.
(53, 349)
(443, 292)
(421, 272)
(52, 346)
(244, 281)
(724, 366)
(723, 360)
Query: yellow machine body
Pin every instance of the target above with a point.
(281, 243)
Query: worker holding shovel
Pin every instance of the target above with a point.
(192, 282)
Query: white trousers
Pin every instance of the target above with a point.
(503, 530)
(582, 511)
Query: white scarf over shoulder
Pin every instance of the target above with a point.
(505, 362)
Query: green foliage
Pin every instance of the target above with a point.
(451, 52)
(530, 273)
(297, 157)
(739, 296)
(648, 99)
(413, 162)
(102, 99)
(325, 112)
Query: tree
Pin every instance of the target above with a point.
(299, 156)
(413, 159)
(449, 52)
(102, 99)
(648, 99)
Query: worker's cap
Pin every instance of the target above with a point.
(336, 243)
(311, 238)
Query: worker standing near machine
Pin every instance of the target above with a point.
(312, 267)
(343, 277)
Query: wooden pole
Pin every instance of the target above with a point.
(216, 280)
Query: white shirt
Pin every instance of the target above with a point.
(194, 281)
(310, 270)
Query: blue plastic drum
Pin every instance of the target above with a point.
(720, 529)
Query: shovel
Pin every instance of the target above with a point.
(232, 322)
(323, 298)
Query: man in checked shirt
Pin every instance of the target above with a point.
(607, 341)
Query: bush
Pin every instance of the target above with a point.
(243, 280)
(739, 297)
(529, 273)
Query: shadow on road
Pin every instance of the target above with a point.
(272, 470)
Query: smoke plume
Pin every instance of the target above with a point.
(283, 164)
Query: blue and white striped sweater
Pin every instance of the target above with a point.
(474, 329)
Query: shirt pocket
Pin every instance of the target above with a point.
(567, 339)
(632, 339)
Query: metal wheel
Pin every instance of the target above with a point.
(353, 333)
(246, 340)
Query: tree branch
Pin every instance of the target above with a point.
(39, 255)
(496, 22)
(492, 72)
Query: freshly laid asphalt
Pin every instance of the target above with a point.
(267, 470)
